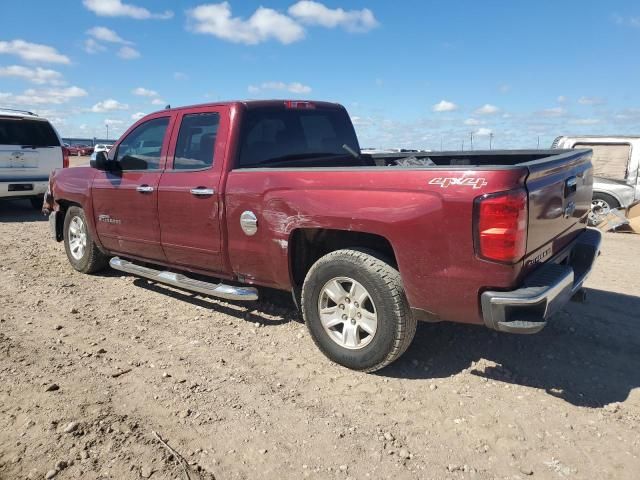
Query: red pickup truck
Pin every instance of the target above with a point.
(278, 194)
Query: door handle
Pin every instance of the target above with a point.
(201, 191)
(144, 189)
(570, 186)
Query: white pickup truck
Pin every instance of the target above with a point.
(616, 170)
(30, 149)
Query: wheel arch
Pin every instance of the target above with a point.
(308, 245)
(615, 196)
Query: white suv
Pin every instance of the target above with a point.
(30, 148)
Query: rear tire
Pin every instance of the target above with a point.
(366, 335)
(82, 251)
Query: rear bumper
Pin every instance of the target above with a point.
(544, 292)
(23, 188)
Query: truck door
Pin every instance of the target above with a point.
(189, 197)
(125, 200)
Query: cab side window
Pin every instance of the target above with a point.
(196, 141)
(140, 150)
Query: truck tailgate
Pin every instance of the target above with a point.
(559, 190)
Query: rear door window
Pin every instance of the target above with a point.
(272, 135)
(35, 133)
(196, 141)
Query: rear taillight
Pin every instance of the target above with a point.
(500, 226)
(65, 157)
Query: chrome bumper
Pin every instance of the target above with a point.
(546, 291)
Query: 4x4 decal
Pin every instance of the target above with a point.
(445, 182)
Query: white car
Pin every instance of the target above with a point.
(30, 149)
(100, 147)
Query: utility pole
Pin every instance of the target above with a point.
(471, 140)
(538, 147)
(440, 142)
(463, 145)
(491, 141)
(107, 125)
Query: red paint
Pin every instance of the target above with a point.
(425, 214)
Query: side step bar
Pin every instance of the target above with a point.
(220, 290)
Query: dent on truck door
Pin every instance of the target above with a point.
(125, 200)
(188, 194)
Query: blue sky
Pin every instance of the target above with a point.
(411, 73)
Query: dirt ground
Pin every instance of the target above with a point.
(92, 366)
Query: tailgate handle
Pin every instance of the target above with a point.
(570, 186)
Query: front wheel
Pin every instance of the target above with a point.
(82, 251)
(356, 310)
(601, 205)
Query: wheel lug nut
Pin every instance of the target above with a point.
(347, 300)
(353, 321)
(355, 304)
(344, 317)
(341, 306)
(359, 315)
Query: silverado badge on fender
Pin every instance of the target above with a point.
(108, 219)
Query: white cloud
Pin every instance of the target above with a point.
(113, 122)
(444, 106)
(137, 116)
(115, 8)
(91, 46)
(180, 76)
(585, 121)
(361, 121)
(107, 35)
(315, 13)
(590, 101)
(158, 101)
(37, 75)
(487, 109)
(552, 112)
(144, 92)
(128, 53)
(108, 106)
(562, 99)
(627, 21)
(483, 132)
(264, 24)
(54, 96)
(33, 52)
(473, 122)
(293, 87)
(504, 88)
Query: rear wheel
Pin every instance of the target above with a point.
(82, 252)
(356, 310)
(601, 205)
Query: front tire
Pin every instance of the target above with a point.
(356, 310)
(601, 205)
(82, 251)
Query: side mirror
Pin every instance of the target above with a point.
(101, 162)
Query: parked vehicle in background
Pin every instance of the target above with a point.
(84, 149)
(616, 170)
(30, 149)
(278, 194)
(100, 147)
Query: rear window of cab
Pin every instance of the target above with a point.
(26, 132)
